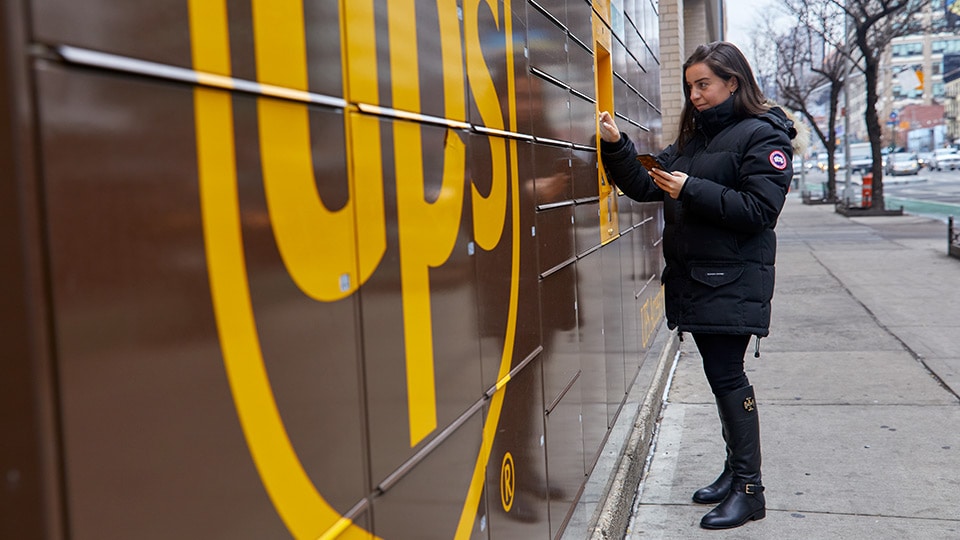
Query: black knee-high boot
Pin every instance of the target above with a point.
(717, 491)
(745, 501)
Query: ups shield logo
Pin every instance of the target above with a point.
(331, 251)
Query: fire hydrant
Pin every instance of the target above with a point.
(866, 193)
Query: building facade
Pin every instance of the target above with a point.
(912, 75)
(684, 24)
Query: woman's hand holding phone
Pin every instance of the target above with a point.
(649, 162)
(670, 182)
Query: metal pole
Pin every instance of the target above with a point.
(846, 113)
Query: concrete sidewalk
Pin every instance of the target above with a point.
(857, 387)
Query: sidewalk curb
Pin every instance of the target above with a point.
(614, 516)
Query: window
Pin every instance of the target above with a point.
(945, 46)
(907, 49)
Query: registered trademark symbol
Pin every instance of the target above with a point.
(507, 482)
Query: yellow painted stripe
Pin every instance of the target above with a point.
(454, 90)
(281, 471)
(469, 512)
(428, 233)
(303, 510)
(358, 43)
(413, 227)
(319, 247)
(404, 61)
(489, 210)
(359, 51)
(427, 230)
(210, 36)
(281, 44)
(211, 79)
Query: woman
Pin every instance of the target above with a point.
(723, 184)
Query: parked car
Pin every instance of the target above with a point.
(861, 157)
(902, 163)
(945, 158)
(839, 161)
(799, 163)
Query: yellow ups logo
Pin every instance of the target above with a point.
(348, 243)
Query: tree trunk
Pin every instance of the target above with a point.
(831, 142)
(873, 130)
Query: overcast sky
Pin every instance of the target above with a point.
(745, 17)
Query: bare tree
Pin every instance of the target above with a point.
(765, 61)
(860, 30)
(809, 65)
(872, 26)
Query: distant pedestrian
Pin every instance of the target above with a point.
(723, 183)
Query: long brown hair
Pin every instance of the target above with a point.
(726, 61)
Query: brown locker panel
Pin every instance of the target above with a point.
(565, 459)
(494, 267)
(637, 77)
(427, 502)
(634, 103)
(419, 307)
(553, 182)
(550, 109)
(516, 480)
(555, 238)
(311, 348)
(265, 315)
(149, 423)
(546, 44)
(561, 374)
(625, 212)
(651, 231)
(634, 43)
(555, 9)
(622, 98)
(161, 32)
(583, 121)
(434, 57)
(528, 331)
(486, 51)
(629, 282)
(579, 21)
(156, 31)
(613, 328)
(587, 219)
(580, 69)
(561, 352)
(593, 364)
(585, 171)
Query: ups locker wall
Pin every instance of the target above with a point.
(318, 269)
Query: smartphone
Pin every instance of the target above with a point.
(650, 162)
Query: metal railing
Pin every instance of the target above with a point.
(953, 239)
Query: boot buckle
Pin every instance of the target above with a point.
(752, 489)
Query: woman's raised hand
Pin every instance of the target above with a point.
(608, 128)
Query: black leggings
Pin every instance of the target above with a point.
(723, 361)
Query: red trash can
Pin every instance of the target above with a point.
(866, 193)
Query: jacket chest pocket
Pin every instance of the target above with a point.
(716, 276)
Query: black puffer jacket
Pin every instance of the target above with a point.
(718, 238)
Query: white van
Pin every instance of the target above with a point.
(861, 158)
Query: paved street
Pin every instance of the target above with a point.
(930, 193)
(857, 389)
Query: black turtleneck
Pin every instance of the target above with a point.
(713, 120)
